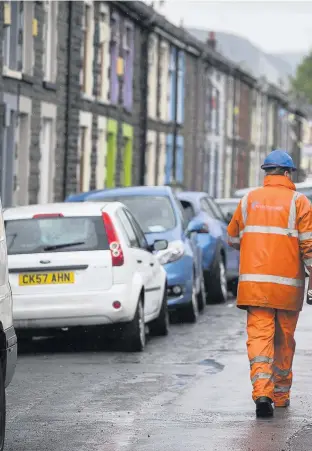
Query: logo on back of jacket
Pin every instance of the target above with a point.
(257, 206)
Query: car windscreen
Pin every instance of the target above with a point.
(153, 213)
(59, 234)
(307, 192)
(227, 208)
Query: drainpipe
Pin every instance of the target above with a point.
(68, 96)
(175, 124)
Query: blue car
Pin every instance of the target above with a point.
(220, 261)
(161, 216)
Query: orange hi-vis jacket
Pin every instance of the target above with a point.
(272, 227)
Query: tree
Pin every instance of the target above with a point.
(302, 82)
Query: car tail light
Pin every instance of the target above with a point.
(48, 215)
(113, 241)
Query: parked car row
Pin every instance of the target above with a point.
(198, 238)
(124, 262)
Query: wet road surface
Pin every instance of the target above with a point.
(187, 392)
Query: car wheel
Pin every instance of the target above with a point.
(234, 287)
(217, 288)
(201, 295)
(135, 331)
(191, 311)
(160, 326)
(2, 409)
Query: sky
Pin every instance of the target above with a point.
(274, 26)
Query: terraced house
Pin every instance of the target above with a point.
(101, 94)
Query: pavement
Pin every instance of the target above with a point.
(189, 391)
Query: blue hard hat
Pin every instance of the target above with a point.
(279, 159)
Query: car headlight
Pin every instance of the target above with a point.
(174, 251)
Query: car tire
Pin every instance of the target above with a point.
(234, 287)
(191, 311)
(134, 337)
(2, 409)
(201, 295)
(217, 284)
(160, 326)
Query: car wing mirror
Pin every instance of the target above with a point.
(160, 245)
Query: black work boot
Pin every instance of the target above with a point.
(264, 408)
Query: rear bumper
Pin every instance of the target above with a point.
(11, 354)
(74, 309)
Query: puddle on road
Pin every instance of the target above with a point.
(213, 366)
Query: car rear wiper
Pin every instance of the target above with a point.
(60, 246)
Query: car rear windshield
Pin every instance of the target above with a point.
(228, 208)
(153, 213)
(61, 234)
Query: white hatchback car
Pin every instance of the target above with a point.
(85, 265)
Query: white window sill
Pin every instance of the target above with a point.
(88, 97)
(11, 73)
(102, 101)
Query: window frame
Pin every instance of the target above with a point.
(50, 39)
(47, 195)
(216, 209)
(22, 162)
(203, 202)
(182, 213)
(24, 50)
(127, 49)
(192, 207)
(137, 230)
(87, 50)
(103, 54)
(123, 219)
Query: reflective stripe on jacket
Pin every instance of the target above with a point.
(272, 226)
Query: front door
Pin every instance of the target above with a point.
(152, 268)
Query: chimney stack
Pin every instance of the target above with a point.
(211, 41)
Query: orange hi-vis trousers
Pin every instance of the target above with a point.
(271, 347)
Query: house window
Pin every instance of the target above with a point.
(50, 40)
(161, 159)
(180, 100)
(236, 109)
(7, 156)
(162, 110)
(103, 54)
(84, 152)
(86, 75)
(128, 59)
(152, 77)
(150, 159)
(18, 39)
(21, 172)
(172, 84)
(114, 54)
(21, 163)
(101, 153)
(217, 101)
(82, 158)
(46, 161)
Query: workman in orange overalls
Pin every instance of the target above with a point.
(272, 227)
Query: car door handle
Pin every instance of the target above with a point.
(139, 261)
